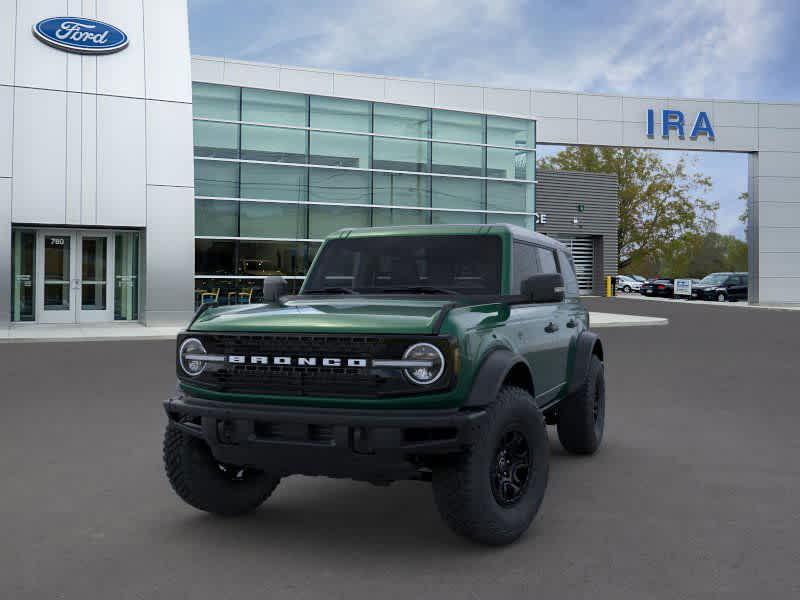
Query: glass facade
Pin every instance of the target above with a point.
(276, 172)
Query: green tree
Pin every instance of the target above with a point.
(659, 202)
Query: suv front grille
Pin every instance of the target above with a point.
(294, 380)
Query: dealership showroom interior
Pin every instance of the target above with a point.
(179, 166)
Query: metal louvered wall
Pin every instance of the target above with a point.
(593, 239)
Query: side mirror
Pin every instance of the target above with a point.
(543, 287)
(275, 286)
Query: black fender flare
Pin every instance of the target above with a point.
(491, 374)
(588, 344)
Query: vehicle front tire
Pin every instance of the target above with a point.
(627, 289)
(581, 416)
(491, 493)
(722, 297)
(207, 485)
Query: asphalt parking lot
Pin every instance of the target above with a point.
(693, 495)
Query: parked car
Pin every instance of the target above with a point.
(663, 288)
(639, 278)
(627, 284)
(721, 287)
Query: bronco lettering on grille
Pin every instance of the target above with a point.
(299, 361)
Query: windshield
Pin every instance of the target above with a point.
(714, 279)
(440, 264)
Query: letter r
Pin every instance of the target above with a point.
(672, 119)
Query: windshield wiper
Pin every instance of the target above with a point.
(418, 289)
(332, 290)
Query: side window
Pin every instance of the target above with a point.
(568, 271)
(526, 264)
(547, 260)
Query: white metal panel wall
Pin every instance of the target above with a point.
(8, 24)
(5, 248)
(121, 160)
(36, 64)
(6, 128)
(167, 58)
(39, 156)
(121, 73)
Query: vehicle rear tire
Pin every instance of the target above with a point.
(581, 416)
(207, 485)
(491, 493)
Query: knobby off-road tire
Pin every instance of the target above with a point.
(207, 485)
(469, 489)
(581, 417)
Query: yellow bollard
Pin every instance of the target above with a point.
(608, 287)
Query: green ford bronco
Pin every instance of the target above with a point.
(435, 353)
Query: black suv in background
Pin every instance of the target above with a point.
(721, 287)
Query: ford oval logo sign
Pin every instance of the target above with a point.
(76, 34)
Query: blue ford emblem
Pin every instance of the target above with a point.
(76, 34)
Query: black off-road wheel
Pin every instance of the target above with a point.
(492, 492)
(204, 483)
(581, 417)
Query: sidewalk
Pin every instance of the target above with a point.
(86, 332)
(136, 331)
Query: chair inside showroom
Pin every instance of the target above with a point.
(245, 296)
(210, 297)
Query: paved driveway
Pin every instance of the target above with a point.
(695, 494)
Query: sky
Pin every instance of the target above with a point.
(733, 49)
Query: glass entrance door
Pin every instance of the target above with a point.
(74, 272)
(94, 302)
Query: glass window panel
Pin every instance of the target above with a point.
(547, 260)
(214, 257)
(57, 272)
(215, 178)
(440, 217)
(520, 220)
(400, 155)
(265, 219)
(220, 140)
(323, 220)
(274, 182)
(337, 185)
(216, 217)
(507, 195)
(507, 131)
(271, 258)
(407, 121)
(509, 164)
(213, 290)
(23, 259)
(398, 189)
(126, 276)
(397, 216)
(273, 144)
(452, 192)
(457, 159)
(457, 126)
(526, 264)
(337, 113)
(215, 101)
(281, 108)
(93, 273)
(311, 249)
(339, 150)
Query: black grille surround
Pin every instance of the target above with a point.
(322, 381)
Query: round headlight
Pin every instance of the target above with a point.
(429, 372)
(190, 355)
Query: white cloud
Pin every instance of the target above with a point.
(687, 47)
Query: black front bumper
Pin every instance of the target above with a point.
(372, 445)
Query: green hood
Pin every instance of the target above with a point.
(344, 314)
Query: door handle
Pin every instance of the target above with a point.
(551, 327)
(572, 323)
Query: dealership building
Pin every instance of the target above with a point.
(137, 181)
